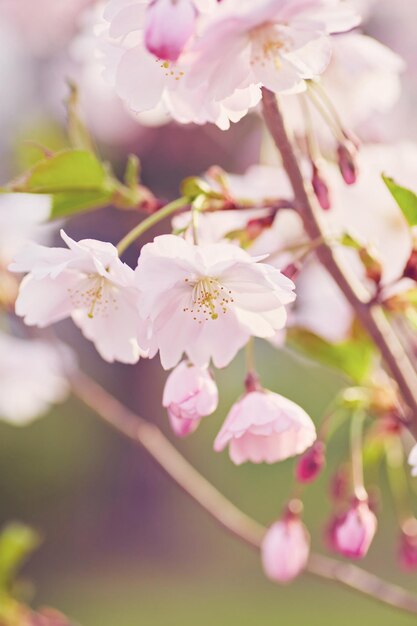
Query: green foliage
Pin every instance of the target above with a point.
(17, 542)
(352, 357)
(405, 198)
(75, 178)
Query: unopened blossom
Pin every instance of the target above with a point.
(273, 43)
(129, 65)
(190, 393)
(169, 24)
(407, 549)
(32, 378)
(89, 283)
(265, 427)
(351, 534)
(207, 300)
(285, 549)
(311, 463)
(412, 460)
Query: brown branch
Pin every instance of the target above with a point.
(370, 315)
(218, 506)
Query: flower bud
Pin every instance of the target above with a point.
(311, 463)
(352, 533)
(190, 393)
(168, 27)
(347, 164)
(410, 270)
(321, 189)
(285, 549)
(407, 553)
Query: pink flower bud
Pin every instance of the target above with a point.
(321, 189)
(190, 393)
(347, 164)
(351, 534)
(311, 463)
(264, 427)
(285, 549)
(168, 27)
(407, 553)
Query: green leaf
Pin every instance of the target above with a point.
(69, 170)
(405, 198)
(17, 542)
(352, 357)
(66, 204)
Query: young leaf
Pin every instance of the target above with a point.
(405, 198)
(353, 357)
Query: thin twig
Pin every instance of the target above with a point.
(370, 315)
(216, 504)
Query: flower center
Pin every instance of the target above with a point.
(209, 298)
(170, 70)
(268, 43)
(93, 294)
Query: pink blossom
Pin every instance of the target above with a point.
(207, 300)
(190, 393)
(265, 427)
(87, 282)
(273, 43)
(311, 463)
(129, 66)
(285, 549)
(351, 534)
(32, 378)
(169, 24)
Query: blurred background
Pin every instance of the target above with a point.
(121, 544)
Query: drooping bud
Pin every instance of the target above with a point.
(407, 552)
(169, 25)
(285, 549)
(347, 164)
(190, 393)
(311, 463)
(321, 189)
(292, 270)
(410, 270)
(352, 533)
(256, 227)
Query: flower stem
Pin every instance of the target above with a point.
(217, 505)
(397, 479)
(356, 442)
(150, 221)
(370, 315)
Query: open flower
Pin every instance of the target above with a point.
(31, 378)
(285, 549)
(208, 300)
(190, 393)
(88, 282)
(265, 427)
(124, 47)
(273, 43)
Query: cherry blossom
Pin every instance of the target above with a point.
(265, 427)
(351, 534)
(32, 378)
(190, 393)
(87, 282)
(207, 300)
(161, 39)
(285, 549)
(274, 43)
(128, 65)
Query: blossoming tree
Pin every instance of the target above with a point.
(313, 248)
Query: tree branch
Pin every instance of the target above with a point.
(370, 315)
(218, 506)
